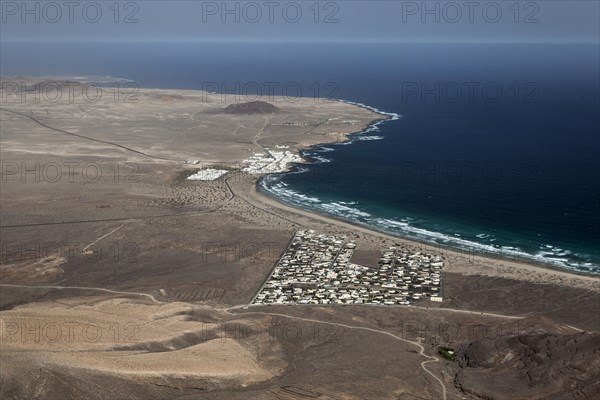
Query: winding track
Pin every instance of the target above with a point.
(430, 359)
(227, 310)
(364, 328)
(98, 289)
(241, 306)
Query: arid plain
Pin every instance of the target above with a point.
(120, 278)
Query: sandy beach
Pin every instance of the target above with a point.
(464, 262)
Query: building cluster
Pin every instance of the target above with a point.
(316, 269)
(273, 162)
(208, 174)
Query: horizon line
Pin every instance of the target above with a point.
(268, 41)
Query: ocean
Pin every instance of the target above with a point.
(493, 148)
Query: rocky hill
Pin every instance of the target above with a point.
(531, 366)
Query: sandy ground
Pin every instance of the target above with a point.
(461, 262)
(170, 125)
(135, 285)
(116, 335)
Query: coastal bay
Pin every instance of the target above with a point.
(140, 245)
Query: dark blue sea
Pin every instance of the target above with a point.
(495, 150)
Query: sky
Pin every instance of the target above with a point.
(301, 21)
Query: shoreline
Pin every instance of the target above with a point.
(429, 245)
(367, 125)
(448, 252)
(419, 242)
(444, 248)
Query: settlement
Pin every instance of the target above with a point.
(316, 269)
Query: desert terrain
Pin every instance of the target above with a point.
(120, 278)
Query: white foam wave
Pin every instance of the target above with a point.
(346, 210)
(341, 209)
(393, 116)
(369, 138)
(290, 195)
(556, 257)
(320, 159)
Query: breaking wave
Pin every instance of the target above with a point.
(471, 244)
(408, 227)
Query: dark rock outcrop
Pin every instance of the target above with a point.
(531, 366)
